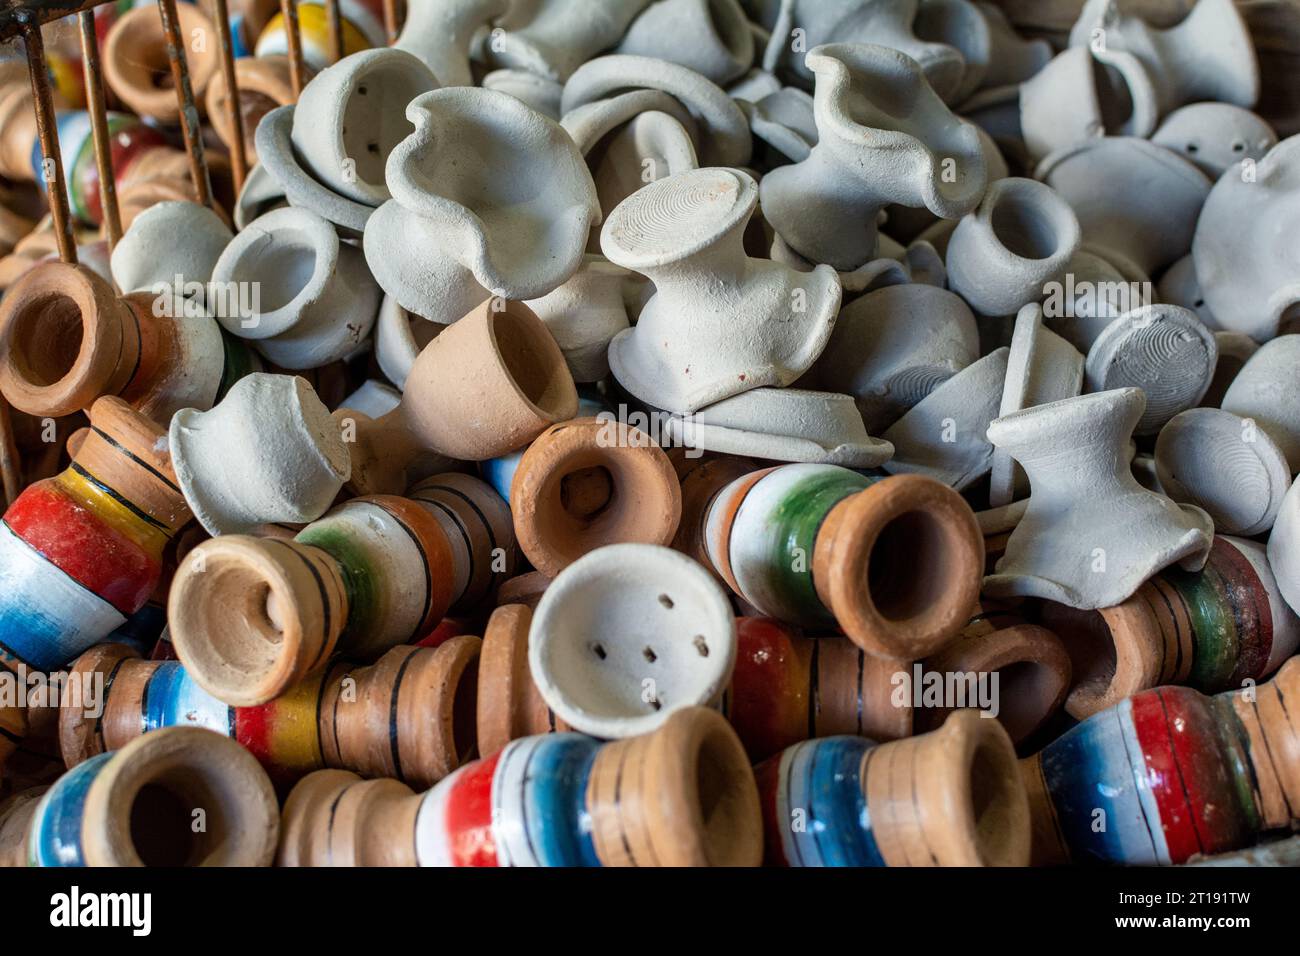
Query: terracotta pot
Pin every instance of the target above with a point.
(588, 483)
(947, 798)
(136, 67)
(701, 480)
(1175, 773)
(264, 84)
(521, 384)
(526, 589)
(509, 704)
(137, 806)
(386, 457)
(478, 525)
(656, 816)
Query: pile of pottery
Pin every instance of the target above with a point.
(658, 433)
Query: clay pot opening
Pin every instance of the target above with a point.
(46, 339)
(1091, 646)
(723, 804)
(464, 714)
(1026, 692)
(905, 549)
(994, 811)
(282, 270)
(162, 829)
(1114, 99)
(369, 131)
(525, 346)
(1026, 228)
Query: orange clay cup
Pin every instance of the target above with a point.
(526, 589)
(587, 483)
(488, 384)
(135, 61)
(264, 84)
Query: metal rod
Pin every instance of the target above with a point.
(390, 20)
(99, 128)
(234, 109)
(48, 130)
(11, 484)
(289, 10)
(335, 21)
(191, 131)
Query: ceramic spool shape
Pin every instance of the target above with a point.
(871, 102)
(627, 635)
(719, 322)
(947, 798)
(702, 478)
(559, 36)
(1091, 534)
(521, 384)
(440, 35)
(516, 226)
(268, 453)
(169, 240)
(1215, 136)
(1163, 350)
(1176, 773)
(798, 541)
(1209, 55)
(1225, 465)
(712, 37)
(508, 703)
(83, 551)
(136, 67)
(1020, 237)
(312, 299)
(588, 483)
(135, 806)
(1249, 282)
(352, 114)
(681, 796)
(1214, 629)
(1284, 547)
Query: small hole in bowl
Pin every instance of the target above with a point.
(666, 601)
(1192, 147)
(650, 655)
(1239, 147)
(598, 650)
(656, 705)
(701, 645)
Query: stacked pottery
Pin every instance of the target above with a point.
(136, 66)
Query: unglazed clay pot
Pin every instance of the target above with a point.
(522, 384)
(944, 434)
(555, 37)
(400, 337)
(1226, 465)
(542, 94)
(1011, 58)
(508, 703)
(947, 798)
(1179, 286)
(311, 299)
(67, 340)
(961, 25)
(702, 478)
(588, 483)
(712, 37)
(1266, 392)
(1020, 237)
(628, 635)
(894, 346)
(169, 242)
(264, 84)
(870, 103)
(797, 542)
(1175, 773)
(1163, 350)
(1093, 295)
(1248, 279)
(1091, 534)
(408, 716)
(1284, 547)
(585, 314)
(1207, 56)
(719, 322)
(440, 35)
(261, 194)
(268, 453)
(135, 61)
(515, 226)
(1214, 629)
(283, 173)
(1215, 136)
(137, 806)
(682, 795)
(82, 551)
(1137, 203)
(786, 121)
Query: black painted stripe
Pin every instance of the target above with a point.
(393, 745)
(122, 500)
(416, 631)
(135, 458)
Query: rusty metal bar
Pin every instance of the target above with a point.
(11, 484)
(47, 129)
(99, 127)
(238, 157)
(191, 130)
(15, 14)
(289, 10)
(390, 20)
(335, 21)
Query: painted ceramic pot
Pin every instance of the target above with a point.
(409, 716)
(894, 346)
(618, 661)
(163, 174)
(542, 94)
(86, 818)
(1091, 534)
(362, 22)
(264, 84)
(585, 314)
(1226, 465)
(136, 67)
(1163, 350)
(1207, 56)
(584, 807)
(523, 385)
(1020, 237)
(798, 541)
(554, 38)
(441, 34)
(311, 299)
(719, 323)
(711, 37)
(1137, 203)
(588, 483)
(1173, 772)
(947, 798)
(1283, 557)
(826, 207)
(1250, 283)
(1215, 136)
(1265, 392)
(723, 130)
(251, 617)
(943, 436)
(702, 478)
(1213, 629)
(82, 551)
